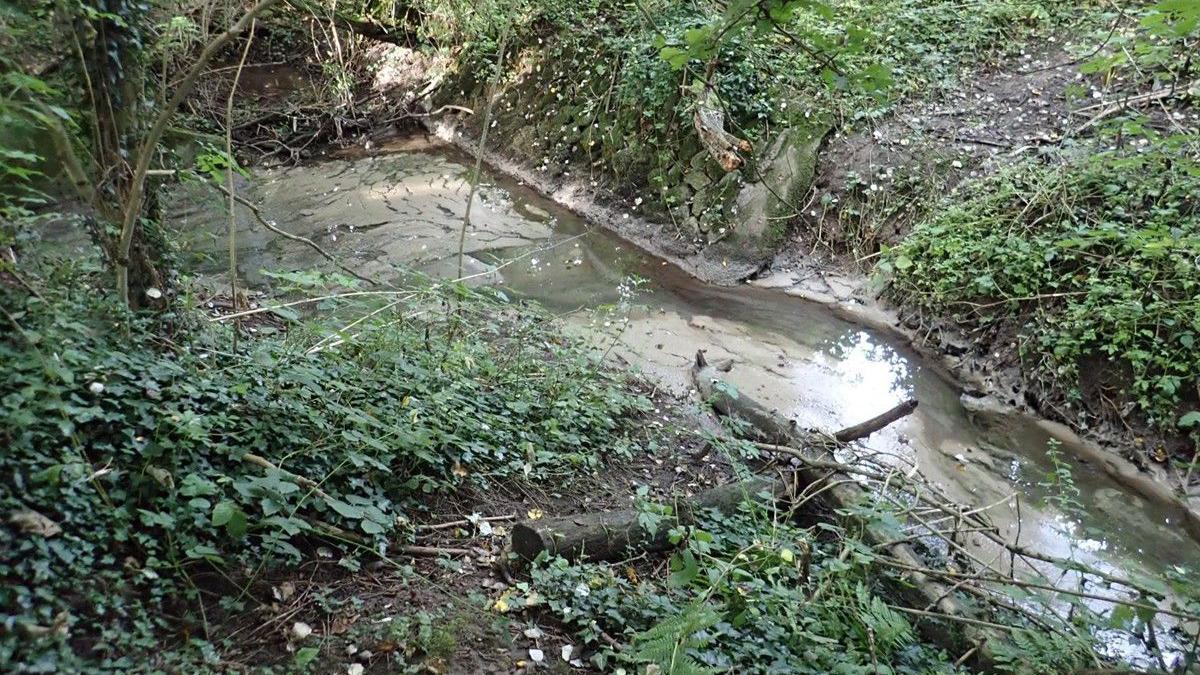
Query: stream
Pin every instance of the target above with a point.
(401, 207)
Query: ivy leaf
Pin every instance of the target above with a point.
(229, 515)
(305, 656)
(686, 569)
(1189, 420)
(223, 512)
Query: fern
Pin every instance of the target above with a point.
(667, 642)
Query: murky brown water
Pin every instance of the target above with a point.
(390, 212)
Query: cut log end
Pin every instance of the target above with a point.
(528, 542)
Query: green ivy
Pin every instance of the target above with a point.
(132, 445)
(741, 597)
(1098, 257)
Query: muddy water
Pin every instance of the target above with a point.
(402, 209)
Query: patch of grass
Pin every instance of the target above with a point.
(1095, 257)
(126, 489)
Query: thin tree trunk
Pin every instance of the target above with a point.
(145, 153)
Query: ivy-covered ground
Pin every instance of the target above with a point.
(177, 501)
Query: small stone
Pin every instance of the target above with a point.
(537, 655)
(301, 630)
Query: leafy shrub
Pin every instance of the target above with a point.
(616, 85)
(1099, 256)
(132, 446)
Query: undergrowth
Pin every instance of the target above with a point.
(1099, 255)
(747, 593)
(130, 512)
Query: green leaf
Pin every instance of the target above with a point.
(1189, 420)
(686, 569)
(305, 656)
(345, 510)
(223, 513)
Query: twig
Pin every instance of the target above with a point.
(951, 617)
(306, 482)
(1147, 97)
(293, 237)
(232, 192)
(1042, 587)
(457, 523)
(487, 123)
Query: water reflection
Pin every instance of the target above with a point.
(876, 376)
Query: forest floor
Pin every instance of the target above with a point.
(443, 610)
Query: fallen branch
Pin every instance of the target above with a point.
(259, 460)
(1147, 97)
(607, 535)
(459, 523)
(293, 237)
(864, 429)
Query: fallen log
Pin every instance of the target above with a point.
(607, 535)
(864, 429)
(920, 589)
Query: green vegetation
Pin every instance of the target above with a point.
(131, 438)
(617, 85)
(1096, 256)
(750, 592)
(167, 472)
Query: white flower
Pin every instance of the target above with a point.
(96, 387)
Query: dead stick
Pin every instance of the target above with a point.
(874, 424)
(456, 523)
(306, 482)
(294, 237)
(407, 549)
